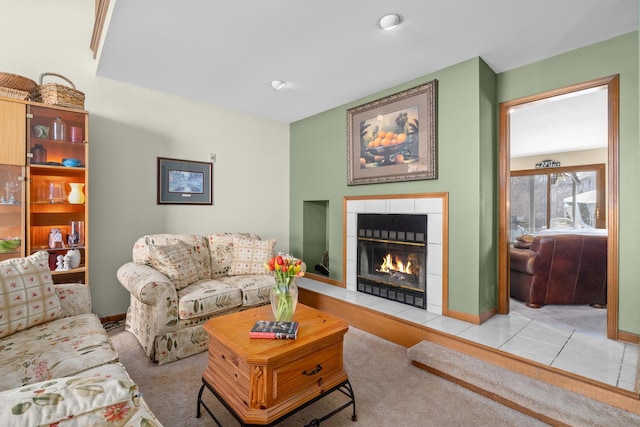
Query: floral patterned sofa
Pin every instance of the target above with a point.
(57, 364)
(179, 281)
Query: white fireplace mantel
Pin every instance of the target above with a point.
(433, 205)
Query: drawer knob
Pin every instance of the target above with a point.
(313, 372)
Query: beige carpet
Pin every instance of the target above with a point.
(554, 403)
(389, 391)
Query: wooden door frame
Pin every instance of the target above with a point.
(613, 85)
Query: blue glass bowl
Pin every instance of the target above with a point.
(71, 162)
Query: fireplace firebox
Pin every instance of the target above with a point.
(392, 257)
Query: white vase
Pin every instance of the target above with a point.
(76, 196)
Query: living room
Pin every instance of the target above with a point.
(131, 126)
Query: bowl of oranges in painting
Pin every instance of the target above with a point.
(388, 148)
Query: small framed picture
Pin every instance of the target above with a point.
(184, 182)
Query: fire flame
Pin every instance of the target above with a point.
(389, 265)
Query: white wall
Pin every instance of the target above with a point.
(129, 127)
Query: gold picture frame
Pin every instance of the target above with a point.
(394, 138)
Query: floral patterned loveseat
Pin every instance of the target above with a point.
(179, 281)
(57, 364)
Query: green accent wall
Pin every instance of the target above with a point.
(488, 199)
(466, 170)
(469, 94)
(614, 56)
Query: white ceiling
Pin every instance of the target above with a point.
(331, 52)
(572, 122)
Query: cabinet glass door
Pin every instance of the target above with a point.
(57, 189)
(11, 212)
(56, 137)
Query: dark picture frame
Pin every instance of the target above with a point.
(184, 182)
(409, 118)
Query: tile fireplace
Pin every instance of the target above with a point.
(392, 257)
(428, 284)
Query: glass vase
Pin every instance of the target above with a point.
(283, 301)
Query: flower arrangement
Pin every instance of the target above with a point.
(285, 268)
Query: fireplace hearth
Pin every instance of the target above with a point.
(392, 257)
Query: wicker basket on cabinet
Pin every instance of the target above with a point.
(15, 86)
(58, 94)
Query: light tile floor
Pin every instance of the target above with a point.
(589, 355)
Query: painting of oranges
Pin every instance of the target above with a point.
(390, 139)
(394, 138)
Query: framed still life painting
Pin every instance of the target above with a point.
(394, 138)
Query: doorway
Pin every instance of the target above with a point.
(611, 84)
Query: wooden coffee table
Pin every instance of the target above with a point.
(263, 381)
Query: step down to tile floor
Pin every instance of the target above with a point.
(549, 403)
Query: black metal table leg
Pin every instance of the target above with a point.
(201, 403)
(344, 388)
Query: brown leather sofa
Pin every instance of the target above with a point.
(560, 269)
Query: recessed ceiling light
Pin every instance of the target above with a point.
(389, 22)
(278, 84)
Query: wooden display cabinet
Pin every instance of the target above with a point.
(56, 161)
(44, 165)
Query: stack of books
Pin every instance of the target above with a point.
(274, 330)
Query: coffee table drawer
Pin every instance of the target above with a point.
(307, 373)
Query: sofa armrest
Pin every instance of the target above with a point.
(522, 260)
(146, 284)
(75, 298)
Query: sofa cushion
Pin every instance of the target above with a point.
(249, 256)
(54, 349)
(201, 256)
(205, 297)
(75, 298)
(221, 251)
(101, 396)
(255, 288)
(27, 294)
(176, 261)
